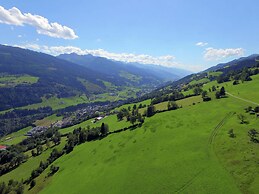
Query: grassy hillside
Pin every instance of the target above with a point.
(188, 150)
(177, 157)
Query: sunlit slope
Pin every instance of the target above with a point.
(170, 153)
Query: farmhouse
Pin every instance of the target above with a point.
(98, 118)
(2, 147)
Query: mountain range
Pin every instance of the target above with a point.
(67, 75)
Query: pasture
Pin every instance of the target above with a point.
(170, 153)
(111, 120)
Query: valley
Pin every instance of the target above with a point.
(196, 135)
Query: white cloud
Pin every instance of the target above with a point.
(19, 36)
(202, 44)
(212, 54)
(166, 60)
(15, 17)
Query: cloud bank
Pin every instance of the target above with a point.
(15, 17)
(212, 54)
(166, 60)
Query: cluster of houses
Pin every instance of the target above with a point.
(36, 130)
(63, 123)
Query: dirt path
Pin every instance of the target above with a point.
(220, 124)
(249, 101)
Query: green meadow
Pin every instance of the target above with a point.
(15, 137)
(14, 80)
(187, 150)
(47, 121)
(247, 90)
(170, 153)
(24, 170)
(111, 120)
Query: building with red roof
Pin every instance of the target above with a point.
(2, 147)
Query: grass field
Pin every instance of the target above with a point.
(239, 155)
(184, 102)
(15, 137)
(146, 102)
(182, 151)
(25, 169)
(58, 103)
(14, 80)
(177, 157)
(55, 103)
(47, 121)
(214, 73)
(111, 120)
(201, 81)
(247, 90)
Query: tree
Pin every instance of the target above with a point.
(204, 93)
(133, 119)
(150, 110)
(206, 98)
(19, 188)
(236, 82)
(104, 129)
(120, 115)
(172, 105)
(231, 133)
(252, 133)
(242, 118)
(56, 140)
(140, 118)
(33, 153)
(197, 91)
(217, 94)
(39, 149)
(33, 183)
(222, 91)
(53, 169)
(48, 143)
(83, 136)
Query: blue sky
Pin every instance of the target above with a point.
(186, 34)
